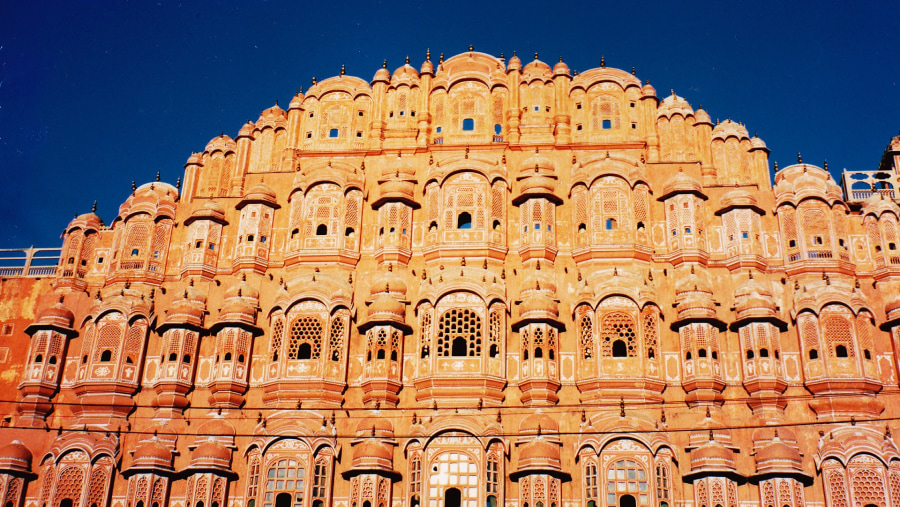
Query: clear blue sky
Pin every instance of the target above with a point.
(95, 94)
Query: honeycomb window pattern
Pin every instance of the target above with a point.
(867, 484)
(618, 326)
(587, 336)
(305, 338)
(459, 333)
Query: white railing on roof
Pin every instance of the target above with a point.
(29, 262)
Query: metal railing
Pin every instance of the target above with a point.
(29, 262)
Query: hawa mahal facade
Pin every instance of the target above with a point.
(476, 283)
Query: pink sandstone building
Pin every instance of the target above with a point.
(476, 283)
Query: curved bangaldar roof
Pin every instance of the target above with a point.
(587, 79)
(471, 66)
(351, 85)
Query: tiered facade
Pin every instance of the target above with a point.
(476, 283)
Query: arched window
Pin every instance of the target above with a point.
(618, 327)
(106, 356)
(623, 478)
(321, 230)
(283, 500)
(840, 351)
(305, 340)
(286, 483)
(813, 354)
(611, 224)
(468, 124)
(459, 333)
(460, 346)
(464, 220)
(452, 497)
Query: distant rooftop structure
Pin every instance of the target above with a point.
(860, 185)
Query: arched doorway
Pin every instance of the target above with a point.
(283, 500)
(627, 501)
(452, 498)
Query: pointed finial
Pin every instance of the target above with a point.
(467, 151)
(799, 158)
(535, 56)
(276, 105)
(463, 262)
(602, 62)
(157, 175)
(632, 70)
(94, 207)
(384, 64)
(343, 69)
(133, 186)
(471, 47)
(646, 82)
(428, 55)
(538, 267)
(776, 166)
(407, 59)
(711, 437)
(621, 407)
(178, 183)
(708, 414)
(442, 58)
(314, 80)
(583, 416)
(826, 165)
(501, 56)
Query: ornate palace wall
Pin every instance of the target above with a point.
(476, 283)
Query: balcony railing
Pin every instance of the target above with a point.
(29, 262)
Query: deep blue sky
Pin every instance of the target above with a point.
(96, 94)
